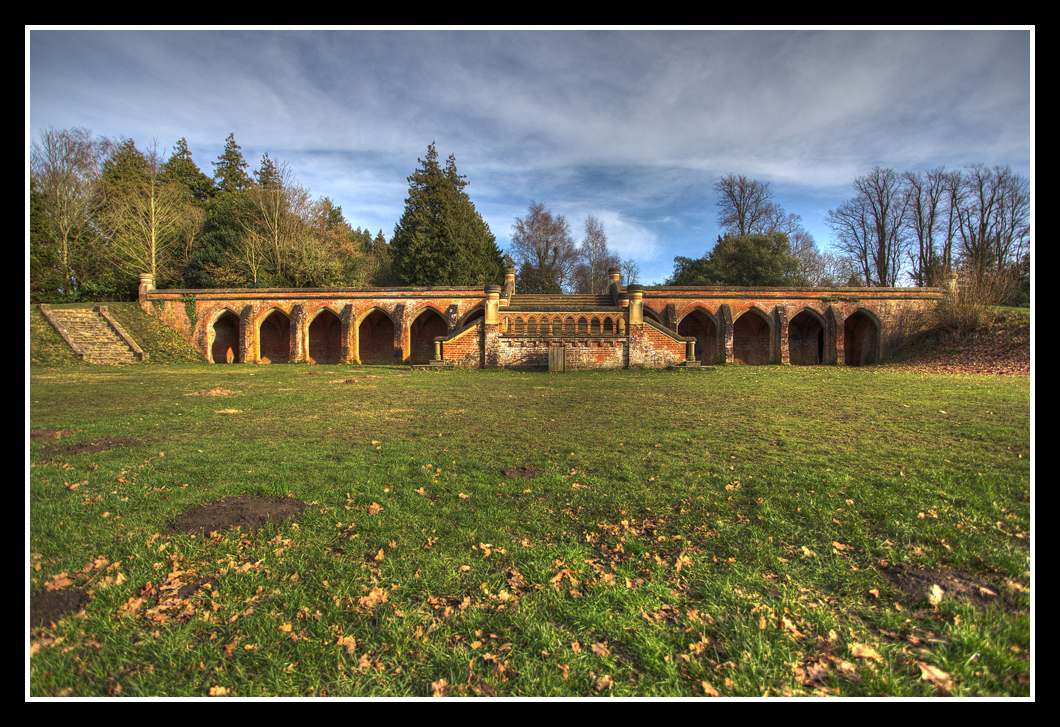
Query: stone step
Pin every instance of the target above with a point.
(89, 334)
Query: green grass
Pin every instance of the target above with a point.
(725, 531)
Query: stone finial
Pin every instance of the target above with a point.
(950, 283)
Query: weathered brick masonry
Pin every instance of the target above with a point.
(628, 327)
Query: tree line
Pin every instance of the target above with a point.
(915, 226)
(104, 211)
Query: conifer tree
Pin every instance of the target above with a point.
(441, 239)
(230, 171)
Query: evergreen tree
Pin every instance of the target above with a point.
(230, 170)
(757, 261)
(182, 170)
(441, 239)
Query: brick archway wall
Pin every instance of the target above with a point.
(325, 338)
(375, 338)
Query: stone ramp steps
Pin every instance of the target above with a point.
(562, 302)
(94, 335)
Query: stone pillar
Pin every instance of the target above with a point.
(299, 335)
(491, 328)
(508, 289)
(780, 341)
(950, 284)
(147, 284)
(725, 334)
(348, 320)
(636, 304)
(493, 309)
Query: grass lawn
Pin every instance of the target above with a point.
(741, 531)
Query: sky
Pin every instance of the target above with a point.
(632, 126)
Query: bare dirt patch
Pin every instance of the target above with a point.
(47, 434)
(246, 513)
(213, 392)
(916, 585)
(92, 446)
(48, 606)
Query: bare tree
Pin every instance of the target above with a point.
(744, 204)
(545, 251)
(145, 221)
(994, 218)
(630, 271)
(65, 168)
(591, 274)
(931, 223)
(870, 228)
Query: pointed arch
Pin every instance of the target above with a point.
(375, 337)
(806, 338)
(425, 327)
(752, 337)
(274, 337)
(861, 338)
(701, 323)
(225, 341)
(325, 337)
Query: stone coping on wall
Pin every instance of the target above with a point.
(260, 293)
(780, 293)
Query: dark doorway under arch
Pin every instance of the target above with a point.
(422, 333)
(225, 348)
(274, 338)
(375, 339)
(750, 338)
(699, 324)
(805, 340)
(860, 336)
(325, 338)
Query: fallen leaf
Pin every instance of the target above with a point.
(864, 651)
(374, 508)
(709, 690)
(935, 594)
(935, 676)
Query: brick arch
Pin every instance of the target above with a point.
(274, 336)
(704, 326)
(375, 337)
(479, 311)
(428, 324)
(807, 332)
(324, 337)
(224, 339)
(752, 335)
(861, 338)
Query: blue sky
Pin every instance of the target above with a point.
(632, 126)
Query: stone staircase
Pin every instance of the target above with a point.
(94, 335)
(534, 302)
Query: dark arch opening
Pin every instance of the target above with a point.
(375, 339)
(274, 337)
(225, 347)
(423, 331)
(325, 338)
(750, 338)
(702, 327)
(860, 334)
(805, 340)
